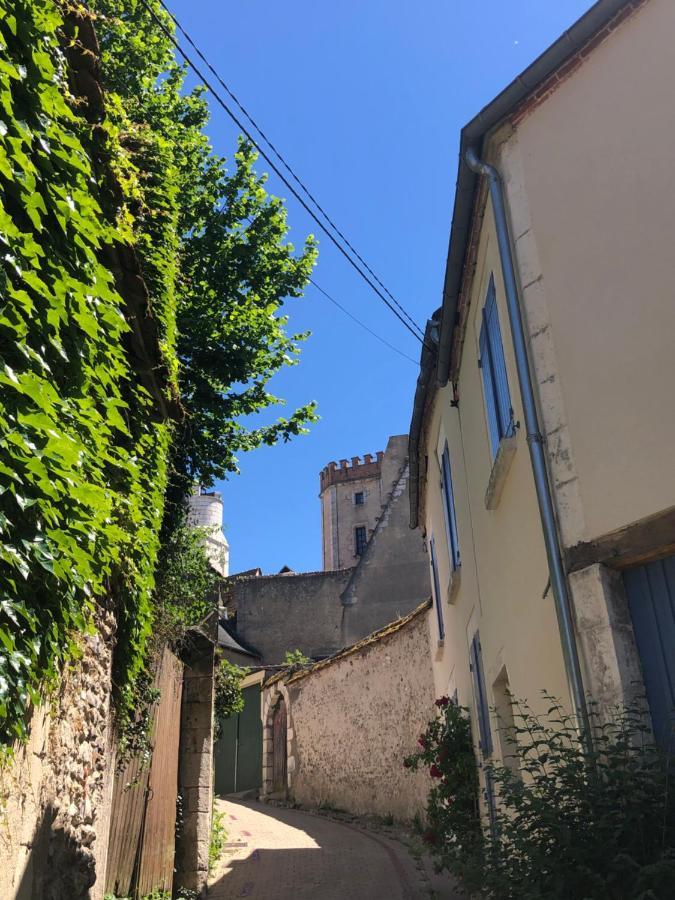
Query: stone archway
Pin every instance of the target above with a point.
(279, 748)
(275, 745)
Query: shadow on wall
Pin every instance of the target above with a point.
(57, 867)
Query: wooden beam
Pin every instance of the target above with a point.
(635, 544)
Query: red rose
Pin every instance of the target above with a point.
(442, 702)
(422, 741)
(435, 772)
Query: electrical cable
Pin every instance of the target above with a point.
(288, 168)
(362, 324)
(351, 315)
(275, 168)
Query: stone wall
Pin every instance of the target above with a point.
(392, 577)
(353, 718)
(276, 613)
(56, 795)
(340, 515)
(195, 776)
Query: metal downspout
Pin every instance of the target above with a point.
(535, 444)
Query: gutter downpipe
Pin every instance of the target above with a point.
(536, 446)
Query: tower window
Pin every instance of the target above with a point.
(360, 540)
(359, 498)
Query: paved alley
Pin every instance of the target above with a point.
(288, 854)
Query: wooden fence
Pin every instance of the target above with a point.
(143, 820)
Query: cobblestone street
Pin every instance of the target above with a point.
(286, 853)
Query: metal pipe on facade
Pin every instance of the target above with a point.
(535, 443)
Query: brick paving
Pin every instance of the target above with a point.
(289, 853)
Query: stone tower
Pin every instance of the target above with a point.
(353, 495)
(205, 510)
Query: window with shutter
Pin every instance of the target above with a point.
(360, 540)
(493, 368)
(449, 508)
(436, 588)
(480, 696)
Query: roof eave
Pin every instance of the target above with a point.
(473, 135)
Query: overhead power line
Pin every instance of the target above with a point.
(362, 324)
(286, 166)
(403, 317)
(353, 317)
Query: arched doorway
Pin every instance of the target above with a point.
(279, 747)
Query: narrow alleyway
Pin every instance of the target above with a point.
(286, 854)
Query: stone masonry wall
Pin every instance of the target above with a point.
(56, 795)
(276, 613)
(352, 720)
(195, 775)
(392, 577)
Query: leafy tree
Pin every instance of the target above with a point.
(226, 238)
(184, 583)
(215, 257)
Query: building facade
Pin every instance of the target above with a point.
(352, 498)
(555, 333)
(384, 575)
(205, 510)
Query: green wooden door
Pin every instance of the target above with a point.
(238, 752)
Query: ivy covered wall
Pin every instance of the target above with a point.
(83, 436)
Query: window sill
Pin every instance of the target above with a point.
(500, 471)
(454, 585)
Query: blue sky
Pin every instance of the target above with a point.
(366, 101)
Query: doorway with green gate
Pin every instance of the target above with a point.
(237, 755)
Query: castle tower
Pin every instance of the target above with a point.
(205, 510)
(353, 494)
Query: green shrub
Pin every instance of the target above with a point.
(218, 838)
(229, 699)
(453, 828)
(295, 658)
(568, 824)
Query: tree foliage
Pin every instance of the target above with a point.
(295, 658)
(84, 454)
(229, 697)
(233, 264)
(184, 583)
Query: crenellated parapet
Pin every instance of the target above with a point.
(358, 468)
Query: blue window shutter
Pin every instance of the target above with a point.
(449, 508)
(495, 379)
(480, 694)
(437, 589)
(501, 383)
(650, 591)
(488, 389)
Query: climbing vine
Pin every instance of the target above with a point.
(141, 287)
(82, 453)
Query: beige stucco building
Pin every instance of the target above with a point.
(581, 261)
